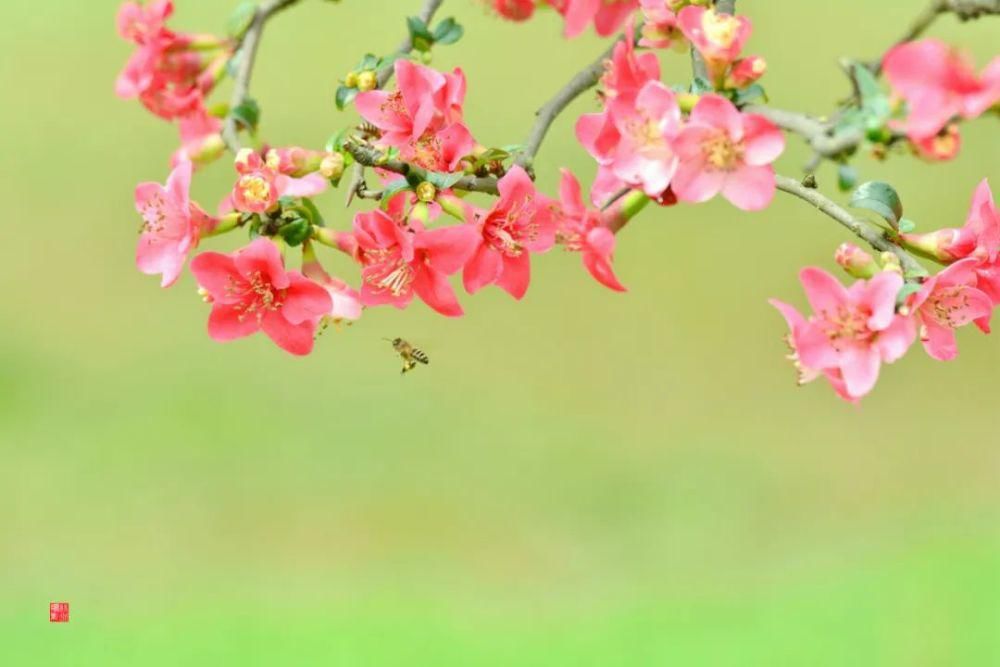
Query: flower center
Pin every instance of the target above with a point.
(722, 152)
(386, 271)
(646, 134)
(153, 216)
(720, 29)
(947, 307)
(258, 294)
(847, 325)
(507, 232)
(255, 189)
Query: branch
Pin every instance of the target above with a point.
(583, 80)
(370, 156)
(873, 237)
(248, 54)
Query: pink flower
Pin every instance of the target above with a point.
(723, 150)
(201, 138)
(517, 225)
(346, 300)
(165, 77)
(802, 334)
(583, 230)
(250, 290)
(940, 147)
(606, 15)
(256, 190)
(660, 29)
(852, 331)
(980, 236)
(634, 138)
(627, 72)
(514, 10)
(142, 25)
(719, 38)
(423, 119)
(746, 71)
(947, 301)
(939, 83)
(857, 262)
(172, 225)
(400, 261)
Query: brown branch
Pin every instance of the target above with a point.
(248, 54)
(872, 236)
(583, 80)
(370, 156)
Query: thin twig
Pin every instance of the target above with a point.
(583, 80)
(873, 237)
(370, 156)
(248, 54)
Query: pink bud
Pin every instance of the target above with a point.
(939, 147)
(746, 71)
(855, 261)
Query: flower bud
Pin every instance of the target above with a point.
(351, 80)
(943, 245)
(332, 166)
(367, 80)
(244, 157)
(940, 147)
(890, 262)
(746, 71)
(426, 192)
(857, 262)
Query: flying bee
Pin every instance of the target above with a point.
(410, 355)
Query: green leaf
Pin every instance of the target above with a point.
(344, 96)
(881, 198)
(750, 94)
(419, 34)
(241, 19)
(311, 211)
(370, 61)
(443, 181)
(906, 290)
(448, 31)
(296, 231)
(336, 142)
(247, 114)
(700, 86)
(847, 177)
(906, 225)
(393, 188)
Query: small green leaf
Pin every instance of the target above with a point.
(247, 114)
(906, 290)
(750, 94)
(700, 86)
(906, 225)
(370, 61)
(448, 31)
(847, 177)
(312, 212)
(881, 198)
(344, 96)
(336, 142)
(420, 36)
(296, 232)
(393, 188)
(241, 19)
(443, 181)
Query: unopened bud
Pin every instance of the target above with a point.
(426, 192)
(746, 71)
(940, 147)
(857, 262)
(943, 245)
(243, 156)
(367, 81)
(351, 80)
(332, 166)
(890, 262)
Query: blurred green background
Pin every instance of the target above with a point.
(584, 478)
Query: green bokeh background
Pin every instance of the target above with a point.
(583, 478)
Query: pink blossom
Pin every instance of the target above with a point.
(606, 15)
(979, 237)
(633, 139)
(165, 78)
(746, 71)
(142, 24)
(853, 329)
(947, 301)
(201, 138)
(719, 38)
(260, 185)
(802, 333)
(939, 83)
(400, 261)
(250, 291)
(518, 224)
(172, 225)
(423, 119)
(346, 300)
(514, 10)
(723, 150)
(583, 230)
(941, 147)
(660, 29)
(628, 71)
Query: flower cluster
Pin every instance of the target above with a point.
(171, 73)
(853, 330)
(651, 141)
(939, 84)
(641, 140)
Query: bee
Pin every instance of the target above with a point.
(410, 355)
